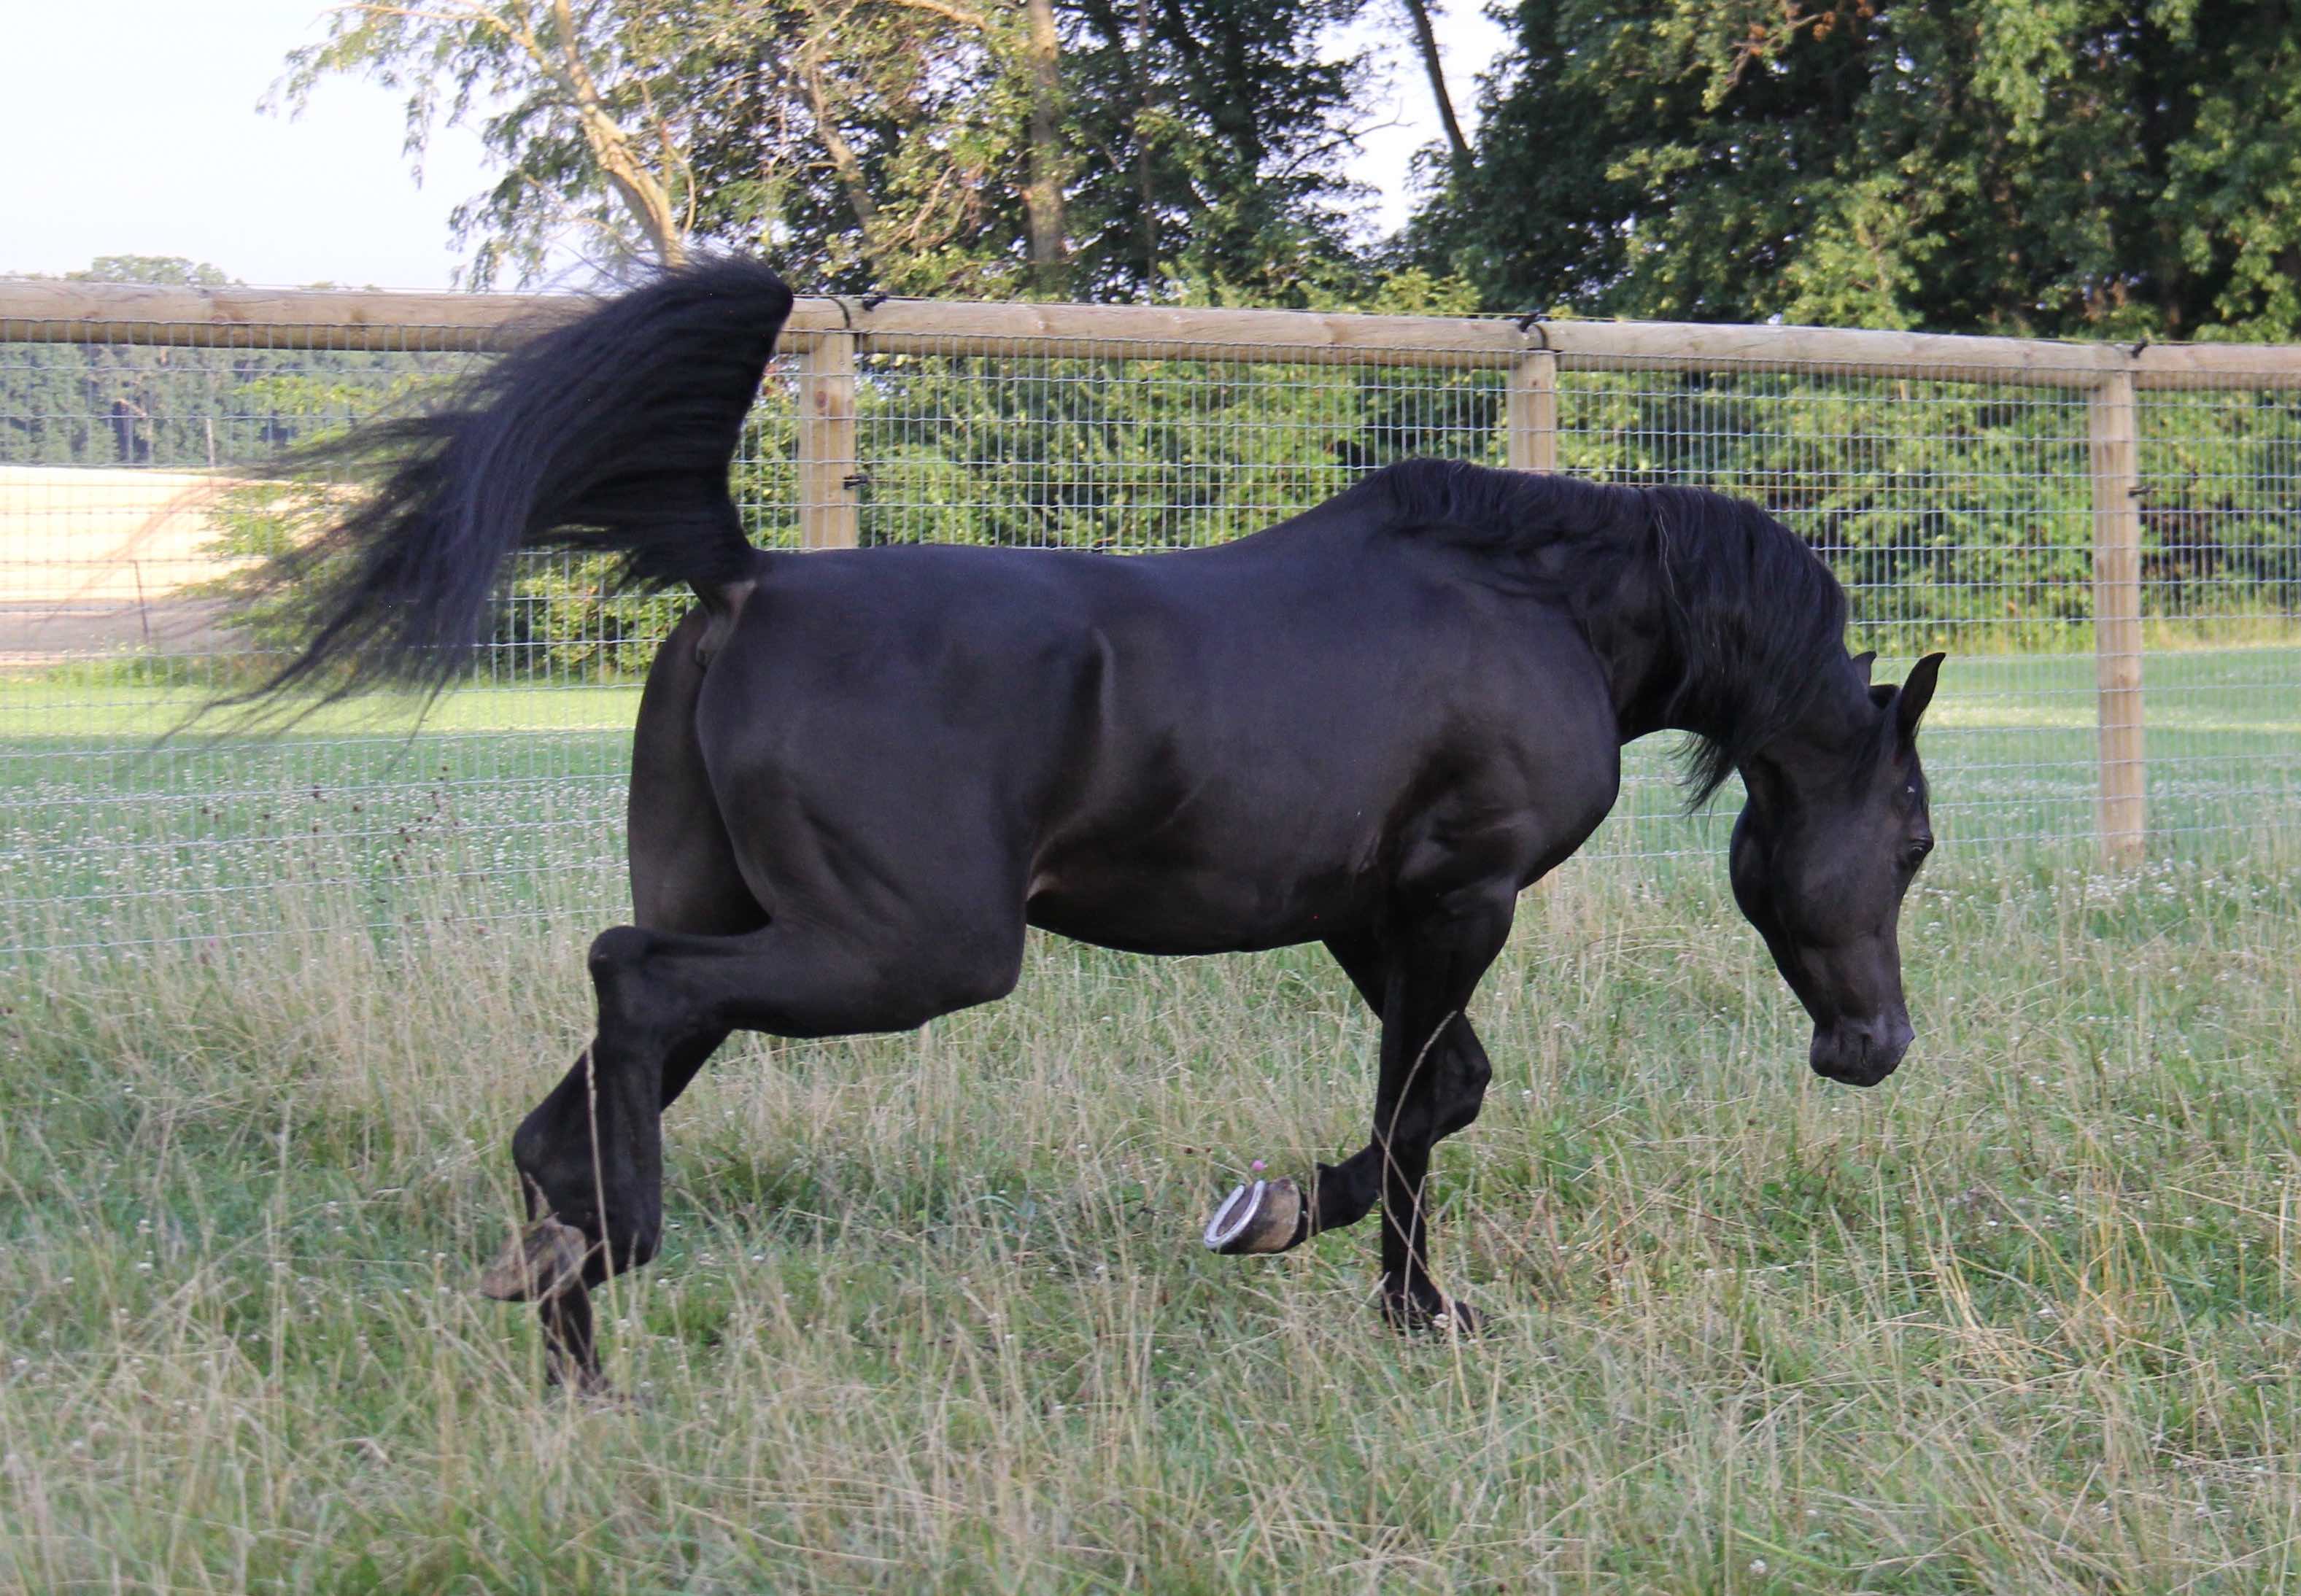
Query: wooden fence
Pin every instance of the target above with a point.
(829, 336)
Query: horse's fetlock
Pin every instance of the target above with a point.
(527, 1158)
(1477, 1072)
(637, 1247)
(530, 1145)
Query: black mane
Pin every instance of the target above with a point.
(1754, 619)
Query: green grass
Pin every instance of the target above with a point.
(934, 1316)
(114, 835)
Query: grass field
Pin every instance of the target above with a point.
(932, 1313)
(515, 789)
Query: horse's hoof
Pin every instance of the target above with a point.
(1449, 1317)
(1267, 1216)
(537, 1264)
(592, 1391)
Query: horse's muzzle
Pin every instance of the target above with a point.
(1860, 1052)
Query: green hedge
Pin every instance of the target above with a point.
(1958, 515)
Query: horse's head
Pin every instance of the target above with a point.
(1835, 829)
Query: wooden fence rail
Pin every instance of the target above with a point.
(57, 312)
(831, 335)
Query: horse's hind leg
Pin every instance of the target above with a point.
(592, 1151)
(590, 1156)
(881, 919)
(684, 878)
(590, 1163)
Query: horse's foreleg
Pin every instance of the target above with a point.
(1458, 1070)
(1427, 1088)
(1432, 1081)
(1342, 1194)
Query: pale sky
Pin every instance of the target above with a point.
(131, 128)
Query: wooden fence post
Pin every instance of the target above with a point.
(1530, 414)
(828, 515)
(2114, 432)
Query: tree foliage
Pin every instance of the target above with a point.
(1214, 139)
(1095, 147)
(2121, 168)
(581, 102)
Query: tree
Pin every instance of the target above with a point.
(1115, 147)
(2125, 168)
(877, 144)
(585, 99)
(1458, 158)
(1215, 134)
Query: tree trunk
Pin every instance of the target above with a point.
(1148, 195)
(643, 193)
(646, 198)
(1043, 195)
(845, 165)
(1425, 38)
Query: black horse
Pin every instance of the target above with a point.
(858, 776)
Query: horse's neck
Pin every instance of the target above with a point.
(1646, 664)
(1639, 653)
(1642, 671)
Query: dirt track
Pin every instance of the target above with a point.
(96, 561)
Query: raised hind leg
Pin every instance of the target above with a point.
(591, 1154)
(874, 930)
(685, 878)
(1431, 1082)
(590, 1163)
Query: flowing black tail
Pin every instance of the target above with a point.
(609, 434)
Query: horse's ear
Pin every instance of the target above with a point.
(1862, 663)
(1917, 692)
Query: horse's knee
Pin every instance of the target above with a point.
(1462, 1090)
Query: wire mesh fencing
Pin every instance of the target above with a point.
(1979, 510)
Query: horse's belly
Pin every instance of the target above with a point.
(1189, 911)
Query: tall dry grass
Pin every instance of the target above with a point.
(932, 1313)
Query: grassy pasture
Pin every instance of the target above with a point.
(515, 789)
(933, 1315)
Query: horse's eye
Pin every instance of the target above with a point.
(1915, 854)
